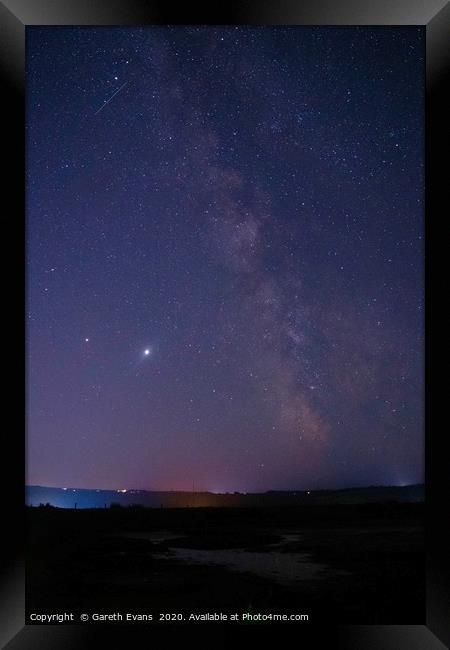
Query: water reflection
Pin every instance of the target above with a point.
(285, 568)
(273, 563)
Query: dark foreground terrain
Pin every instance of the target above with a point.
(340, 563)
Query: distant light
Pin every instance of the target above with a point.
(147, 352)
(122, 491)
(308, 492)
(87, 340)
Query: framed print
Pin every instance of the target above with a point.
(227, 224)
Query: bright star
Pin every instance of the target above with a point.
(147, 352)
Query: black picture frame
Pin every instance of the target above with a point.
(15, 16)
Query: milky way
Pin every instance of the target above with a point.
(225, 257)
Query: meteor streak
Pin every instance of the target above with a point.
(112, 96)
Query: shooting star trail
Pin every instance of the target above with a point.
(112, 97)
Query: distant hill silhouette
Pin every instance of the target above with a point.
(82, 498)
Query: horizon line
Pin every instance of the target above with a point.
(306, 490)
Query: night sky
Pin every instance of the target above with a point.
(225, 252)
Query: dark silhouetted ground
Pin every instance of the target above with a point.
(363, 563)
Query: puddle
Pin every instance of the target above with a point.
(286, 568)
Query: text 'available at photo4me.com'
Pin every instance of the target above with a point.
(164, 617)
